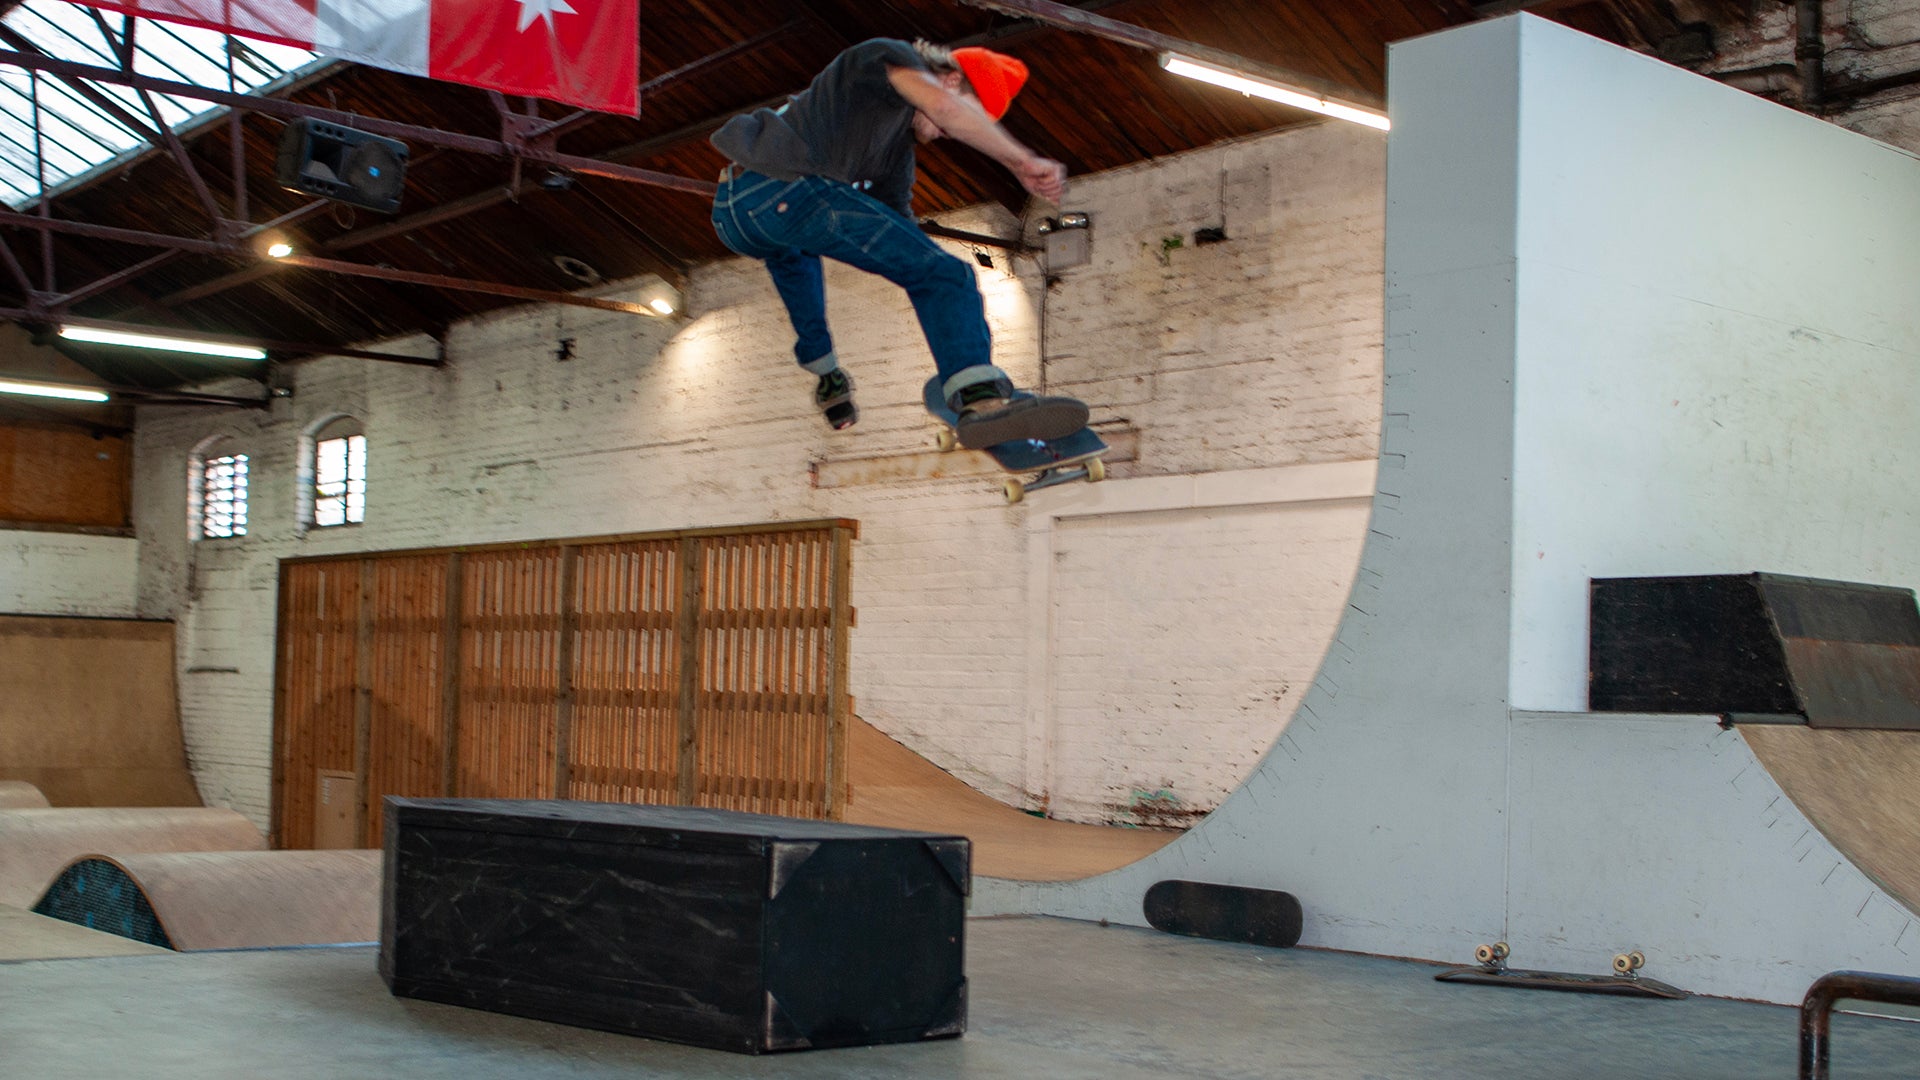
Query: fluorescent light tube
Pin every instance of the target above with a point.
(168, 344)
(52, 390)
(1272, 91)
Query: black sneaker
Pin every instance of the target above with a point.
(990, 419)
(834, 396)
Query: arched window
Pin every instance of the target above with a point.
(339, 474)
(219, 490)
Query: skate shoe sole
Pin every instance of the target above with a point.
(842, 414)
(1026, 418)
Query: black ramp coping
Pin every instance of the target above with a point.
(1756, 647)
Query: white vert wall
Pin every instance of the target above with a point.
(1254, 358)
(1586, 328)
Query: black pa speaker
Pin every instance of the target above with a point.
(340, 163)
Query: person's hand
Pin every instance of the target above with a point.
(1043, 177)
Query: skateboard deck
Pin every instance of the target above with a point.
(1225, 913)
(1493, 971)
(1051, 461)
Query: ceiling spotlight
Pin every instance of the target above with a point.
(1256, 86)
(51, 390)
(165, 344)
(661, 304)
(280, 250)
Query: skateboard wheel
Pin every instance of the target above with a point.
(946, 440)
(1485, 954)
(1638, 958)
(1622, 963)
(1500, 950)
(1096, 471)
(1015, 491)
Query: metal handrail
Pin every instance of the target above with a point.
(1816, 1010)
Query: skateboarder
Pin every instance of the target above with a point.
(830, 173)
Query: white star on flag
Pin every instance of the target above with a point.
(541, 9)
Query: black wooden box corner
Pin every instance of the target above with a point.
(734, 931)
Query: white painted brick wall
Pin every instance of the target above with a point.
(1261, 352)
(61, 573)
(1182, 641)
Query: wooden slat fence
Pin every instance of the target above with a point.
(703, 667)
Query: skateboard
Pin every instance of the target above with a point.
(1224, 913)
(1492, 970)
(1051, 461)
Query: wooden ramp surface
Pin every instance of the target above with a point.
(35, 844)
(259, 899)
(1860, 788)
(895, 787)
(26, 936)
(88, 713)
(20, 795)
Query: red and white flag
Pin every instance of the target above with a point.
(582, 52)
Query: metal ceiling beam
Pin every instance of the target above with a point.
(1079, 21)
(233, 249)
(668, 267)
(293, 110)
(80, 86)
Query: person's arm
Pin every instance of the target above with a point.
(961, 117)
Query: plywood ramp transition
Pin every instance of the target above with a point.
(895, 787)
(91, 715)
(26, 936)
(20, 795)
(1860, 788)
(35, 844)
(249, 899)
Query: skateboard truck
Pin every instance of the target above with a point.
(1624, 979)
(1049, 461)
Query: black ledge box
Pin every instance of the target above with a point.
(734, 931)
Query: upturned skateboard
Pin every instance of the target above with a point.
(1224, 913)
(1050, 461)
(1492, 970)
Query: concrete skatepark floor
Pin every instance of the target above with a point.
(1049, 998)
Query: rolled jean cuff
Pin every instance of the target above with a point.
(822, 365)
(978, 373)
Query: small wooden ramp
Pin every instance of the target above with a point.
(20, 795)
(197, 900)
(90, 713)
(26, 936)
(895, 787)
(35, 844)
(1860, 788)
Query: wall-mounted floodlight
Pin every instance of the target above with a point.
(51, 390)
(1272, 91)
(165, 344)
(659, 295)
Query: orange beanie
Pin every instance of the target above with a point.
(996, 77)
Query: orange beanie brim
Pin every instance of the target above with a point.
(995, 77)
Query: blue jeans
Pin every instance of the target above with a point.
(791, 224)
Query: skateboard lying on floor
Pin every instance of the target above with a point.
(1493, 971)
(1051, 461)
(1224, 912)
